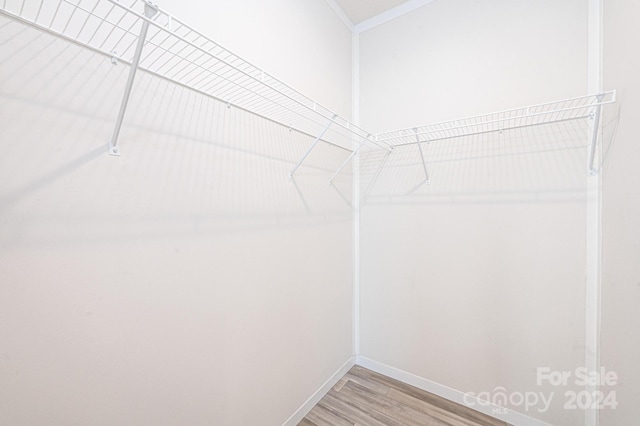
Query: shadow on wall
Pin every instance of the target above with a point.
(189, 163)
(537, 164)
(610, 124)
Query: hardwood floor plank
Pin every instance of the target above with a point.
(365, 395)
(435, 400)
(353, 412)
(322, 416)
(365, 398)
(374, 385)
(402, 413)
(447, 417)
(340, 383)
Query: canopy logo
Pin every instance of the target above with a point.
(500, 398)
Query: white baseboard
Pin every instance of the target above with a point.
(509, 416)
(317, 396)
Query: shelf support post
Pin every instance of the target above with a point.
(344, 164)
(424, 163)
(313, 145)
(594, 136)
(150, 10)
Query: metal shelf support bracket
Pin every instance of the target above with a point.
(349, 158)
(424, 163)
(594, 136)
(313, 145)
(150, 10)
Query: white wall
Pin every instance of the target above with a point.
(477, 280)
(621, 208)
(299, 42)
(188, 282)
(452, 59)
(185, 282)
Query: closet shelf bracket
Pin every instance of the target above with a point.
(150, 10)
(313, 145)
(424, 163)
(594, 135)
(349, 158)
(114, 57)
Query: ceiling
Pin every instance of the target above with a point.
(361, 10)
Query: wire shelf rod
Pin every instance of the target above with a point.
(129, 31)
(54, 33)
(39, 9)
(449, 130)
(216, 82)
(351, 126)
(70, 18)
(183, 56)
(99, 24)
(610, 94)
(55, 14)
(84, 24)
(522, 115)
(493, 130)
(29, 23)
(241, 87)
(179, 52)
(113, 28)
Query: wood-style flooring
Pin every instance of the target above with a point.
(365, 398)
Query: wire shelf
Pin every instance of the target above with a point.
(177, 52)
(140, 34)
(534, 115)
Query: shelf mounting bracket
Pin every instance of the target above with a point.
(424, 163)
(313, 145)
(150, 10)
(349, 158)
(594, 136)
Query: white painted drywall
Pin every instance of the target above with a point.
(477, 280)
(620, 211)
(187, 281)
(298, 42)
(457, 58)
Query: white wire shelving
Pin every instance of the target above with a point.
(583, 107)
(533, 115)
(140, 34)
(145, 37)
